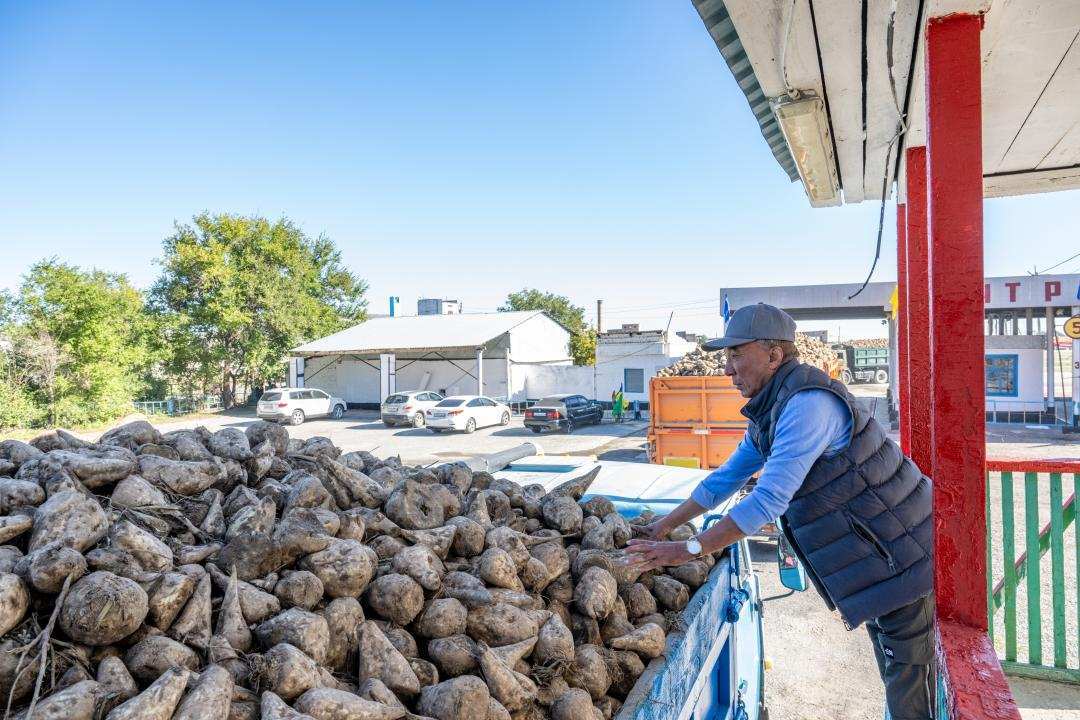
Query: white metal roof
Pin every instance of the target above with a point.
(417, 332)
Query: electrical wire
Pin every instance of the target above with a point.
(1056, 265)
(900, 130)
(784, 45)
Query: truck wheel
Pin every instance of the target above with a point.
(845, 377)
(881, 377)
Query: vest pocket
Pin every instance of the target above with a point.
(863, 531)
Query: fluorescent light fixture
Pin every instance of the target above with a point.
(806, 130)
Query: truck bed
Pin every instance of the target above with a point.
(712, 668)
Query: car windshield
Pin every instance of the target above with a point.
(450, 403)
(270, 396)
(396, 399)
(551, 401)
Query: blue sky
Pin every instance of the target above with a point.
(599, 149)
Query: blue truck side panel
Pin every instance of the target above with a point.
(712, 670)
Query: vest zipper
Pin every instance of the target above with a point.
(863, 530)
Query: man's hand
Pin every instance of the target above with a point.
(645, 555)
(656, 530)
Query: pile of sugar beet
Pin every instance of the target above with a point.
(240, 574)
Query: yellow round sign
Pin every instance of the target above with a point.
(1072, 327)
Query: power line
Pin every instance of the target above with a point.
(663, 306)
(1056, 265)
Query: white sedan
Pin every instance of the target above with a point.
(467, 412)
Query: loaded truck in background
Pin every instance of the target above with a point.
(863, 363)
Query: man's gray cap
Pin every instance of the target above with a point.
(754, 322)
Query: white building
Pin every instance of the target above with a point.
(505, 355)
(630, 357)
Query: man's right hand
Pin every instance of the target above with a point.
(656, 530)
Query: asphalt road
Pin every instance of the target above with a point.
(363, 430)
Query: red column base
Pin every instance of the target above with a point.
(971, 684)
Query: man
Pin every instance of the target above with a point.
(857, 512)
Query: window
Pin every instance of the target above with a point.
(429, 397)
(1002, 375)
(319, 395)
(633, 380)
(450, 403)
(476, 402)
(396, 399)
(270, 396)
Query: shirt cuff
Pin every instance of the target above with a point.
(704, 498)
(747, 518)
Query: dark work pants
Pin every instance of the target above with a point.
(903, 643)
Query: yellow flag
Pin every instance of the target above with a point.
(894, 300)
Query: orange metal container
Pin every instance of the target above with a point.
(694, 417)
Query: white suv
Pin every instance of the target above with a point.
(408, 408)
(299, 404)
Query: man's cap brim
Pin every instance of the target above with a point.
(725, 342)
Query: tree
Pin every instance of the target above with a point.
(561, 310)
(83, 347)
(236, 293)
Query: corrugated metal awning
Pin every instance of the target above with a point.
(715, 16)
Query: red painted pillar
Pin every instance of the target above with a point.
(918, 305)
(955, 206)
(901, 314)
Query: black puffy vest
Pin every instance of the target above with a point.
(861, 521)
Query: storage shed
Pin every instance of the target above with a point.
(491, 354)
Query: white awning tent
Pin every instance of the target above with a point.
(491, 354)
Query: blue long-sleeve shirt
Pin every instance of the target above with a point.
(813, 423)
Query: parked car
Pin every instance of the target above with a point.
(466, 412)
(298, 404)
(409, 408)
(563, 412)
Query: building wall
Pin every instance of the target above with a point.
(618, 353)
(540, 340)
(358, 383)
(533, 381)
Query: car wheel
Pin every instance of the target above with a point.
(569, 426)
(298, 417)
(471, 425)
(338, 412)
(418, 420)
(505, 420)
(436, 430)
(537, 430)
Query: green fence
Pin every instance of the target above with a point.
(1032, 583)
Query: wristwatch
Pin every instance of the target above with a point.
(693, 546)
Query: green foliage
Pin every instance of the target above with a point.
(561, 310)
(17, 409)
(236, 293)
(84, 345)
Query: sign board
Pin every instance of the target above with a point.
(1031, 291)
(1072, 327)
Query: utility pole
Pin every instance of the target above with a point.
(599, 326)
(393, 301)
